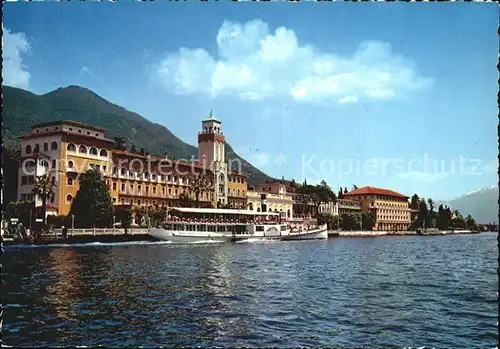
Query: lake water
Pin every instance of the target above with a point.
(410, 291)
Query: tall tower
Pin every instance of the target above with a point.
(211, 154)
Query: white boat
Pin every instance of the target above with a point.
(187, 225)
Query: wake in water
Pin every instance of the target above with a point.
(258, 241)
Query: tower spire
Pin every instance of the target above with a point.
(211, 115)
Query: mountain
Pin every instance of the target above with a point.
(482, 204)
(22, 108)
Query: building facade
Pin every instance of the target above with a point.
(66, 149)
(271, 197)
(390, 209)
(340, 207)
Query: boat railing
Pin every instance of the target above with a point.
(218, 221)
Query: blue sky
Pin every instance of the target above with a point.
(355, 93)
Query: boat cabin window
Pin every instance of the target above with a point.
(283, 227)
(259, 228)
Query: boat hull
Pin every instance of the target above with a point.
(188, 237)
(317, 234)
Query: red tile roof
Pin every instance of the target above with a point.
(374, 191)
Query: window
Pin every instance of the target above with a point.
(103, 153)
(104, 168)
(138, 202)
(82, 149)
(114, 200)
(45, 146)
(154, 190)
(176, 192)
(37, 148)
(114, 185)
(98, 167)
(69, 199)
(24, 180)
(53, 146)
(28, 149)
(97, 134)
(70, 164)
(69, 181)
(139, 188)
(93, 151)
(79, 131)
(123, 171)
(53, 163)
(46, 129)
(122, 201)
(123, 187)
(169, 191)
(88, 133)
(71, 147)
(44, 163)
(131, 187)
(147, 190)
(146, 202)
(163, 191)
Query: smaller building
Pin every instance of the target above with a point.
(271, 197)
(237, 190)
(340, 207)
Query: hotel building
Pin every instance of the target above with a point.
(66, 149)
(271, 197)
(391, 209)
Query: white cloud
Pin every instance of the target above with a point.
(14, 72)
(255, 63)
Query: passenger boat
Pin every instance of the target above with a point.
(226, 225)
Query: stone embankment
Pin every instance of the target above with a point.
(368, 233)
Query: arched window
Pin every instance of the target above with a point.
(70, 164)
(258, 209)
(206, 129)
(28, 149)
(44, 163)
(45, 146)
(69, 199)
(123, 171)
(93, 151)
(37, 148)
(250, 206)
(104, 153)
(82, 149)
(71, 147)
(30, 163)
(53, 146)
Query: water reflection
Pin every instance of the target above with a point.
(402, 291)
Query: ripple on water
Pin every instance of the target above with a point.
(344, 292)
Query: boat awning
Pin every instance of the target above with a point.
(221, 211)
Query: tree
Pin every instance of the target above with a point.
(125, 219)
(470, 222)
(345, 190)
(354, 187)
(431, 216)
(92, 205)
(44, 188)
(198, 184)
(423, 213)
(340, 193)
(292, 184)
(415, 202)
(120, 144)
(133, 149)
(318, 194)
(20, 210)
(368, 220)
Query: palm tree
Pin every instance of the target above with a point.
(44, 188)
(200, 183)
